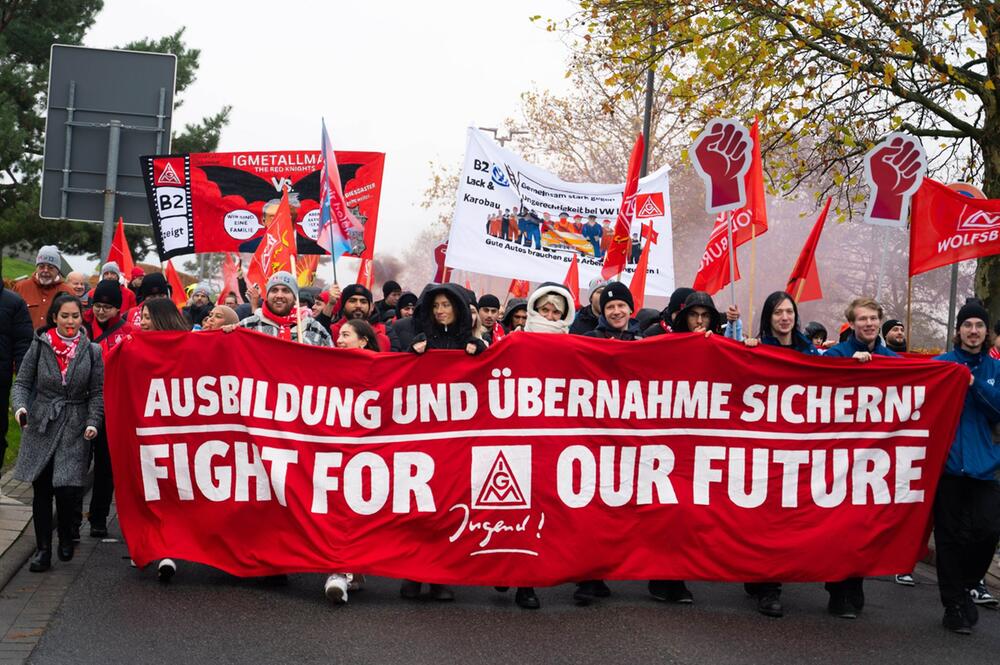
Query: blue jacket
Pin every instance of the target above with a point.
(851, 345)
(973, 452)
(799, 343)
(593, 232)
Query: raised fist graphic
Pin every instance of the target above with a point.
(894, 170)
(721, 155)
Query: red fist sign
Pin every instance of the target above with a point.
(721, 155)
(894, 170)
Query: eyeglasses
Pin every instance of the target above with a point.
(101, 307)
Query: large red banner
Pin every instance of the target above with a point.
(535, 463)
(222, 201)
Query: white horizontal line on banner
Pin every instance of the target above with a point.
(477, 552)
(530, 431)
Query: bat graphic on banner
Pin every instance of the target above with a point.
(219, 202)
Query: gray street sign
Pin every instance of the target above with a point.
(106, 108)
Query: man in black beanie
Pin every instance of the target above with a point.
(967, 504)
(489, 316)
(616, 320)
(894, 334)
(666, 322)
(391, 292)
(355, 303)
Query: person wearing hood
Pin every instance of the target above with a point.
(549, 309)
(219, 317)
(616, 320)
(58, 402)
(894, 334)
(111, 271)
(516, 315)
(666, 323)
(16, 334)
(199, 305)
(442, 320)
(587, 316)
(42, 286)
(402, 331)
(967, 504)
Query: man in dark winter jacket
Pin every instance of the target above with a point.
(967, 504)
(666, 322)
(894, 334)
(382, 311)
(616, 320)
(516, 315)
(199, 306)
(403, 329)
(489, 314)
(15, 337)
(586, 316)
(355, 303)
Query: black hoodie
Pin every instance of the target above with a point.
(16, 333)
(437, 336)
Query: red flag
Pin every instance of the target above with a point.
(751, 219)
(276, 251)
(638, 284)
(177, 292)
(614, 260)
(442, 273)
(366, 274)
(947, 227)
(519, 288)
(120, 252)
(468, 284)
(713, 274)
(803, 283)
(230, 280)
(572, 281)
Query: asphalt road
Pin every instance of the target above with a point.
(115, 614)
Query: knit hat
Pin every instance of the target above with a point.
(111, 266)
(406, 300)
(154, 284)
(137, 272)
(352, 290)
(107, 292)
(889, 325)
(972, 309)
(698, 299)
(616, 291)
(202, 287)
(50, 255)
(390, 287)
(489, 300)
(282, 278)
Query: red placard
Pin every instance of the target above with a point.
(722, 155)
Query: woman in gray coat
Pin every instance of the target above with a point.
(58, 401)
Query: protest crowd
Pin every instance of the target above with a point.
(55, 335)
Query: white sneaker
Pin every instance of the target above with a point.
(165, 571)
(336, 588)
(905, 580)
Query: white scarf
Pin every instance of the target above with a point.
(538, 323)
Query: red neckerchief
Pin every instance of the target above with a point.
(994, 352)
(498, 332)
(285, 323)
(65, 351)
(666, 328)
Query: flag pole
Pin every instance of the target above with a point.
(753, 266)
(732, 257)
(909, 301)
(333, 259)
(298, 313)
(798, 290)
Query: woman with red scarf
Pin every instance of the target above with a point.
(58, 402)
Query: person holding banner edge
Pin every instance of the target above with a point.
(967, 504)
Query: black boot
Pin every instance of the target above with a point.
(769, 604)
(41, 561)
(410, 589)
(65, 550)
(442, 593)
(526, 599)
(98, 528)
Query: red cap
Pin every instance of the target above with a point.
(138, 272)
